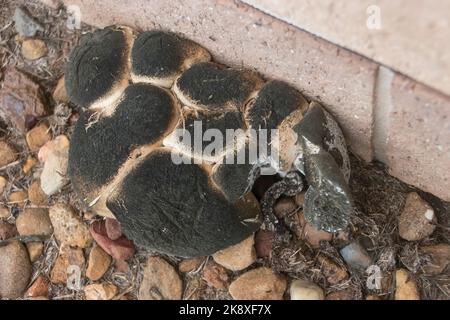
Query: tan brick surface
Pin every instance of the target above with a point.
(418, 145)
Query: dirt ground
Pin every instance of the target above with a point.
(379, 198)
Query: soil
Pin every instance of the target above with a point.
(379, 198)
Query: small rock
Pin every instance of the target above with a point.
(4, 212)
(120, 249)
(314, 236)
(18, 198)
(98, 264)
(60, 93)
(160, 282)
(284, 206)
(333, 272)
(263, 243)
(189, 265)
(417, 220)
(35, 250)
(68, 227)
(258, 284)
(36, 195)
(26, 25)
(21, 100)
(346, 294)
(356, 256)
(7, 230)
(305, 290)
(100, 291)
(67, 257)
(3, 183)
(34, 221)
(39, 288)
(437, 258)
(54, 174)
(8, 154)
(113, 229)
(38, 136)
(121, 266)
(15, 270)
(29, 164)
(215, 275)
(406, 287)
(237, 257)
(33, 49)
(300, 199)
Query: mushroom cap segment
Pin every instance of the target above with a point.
(100, 147)
(159, 57)
(175, 209)
(98, 68)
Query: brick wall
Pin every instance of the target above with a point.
(385, 115)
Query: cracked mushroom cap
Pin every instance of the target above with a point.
(98, 68)
(211, 86)
(102, 145)
(160, 57)
(176, 209)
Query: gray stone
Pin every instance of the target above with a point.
(25, 24)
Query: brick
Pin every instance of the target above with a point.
(240, 35)
(418, 144)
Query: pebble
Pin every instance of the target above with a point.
(314, 236)
(100, 291)
(300, 199)
(305, 290)
(60, 93)
(98, 264)
(258, 284)
(39, 288)
(406, 287)
(438, 258)
(284, 206)
(38, 136)
(34, 221)
(18, 198)
(119, 249)
(237, 257)
(35, 250)
(356, 256)
(15, 270)
(215, 275)
(4, 212)
(26, 25)
(36, 195)
(160, 282)
(3, 183)
(33, 49)
(263, 243)
(8, 154)
(56, 157)
(29, 164)
(7, 230)
(191, 264)
(417, 220)
(121, 266)
(21, 100)
(67, 257)
(345, 294)
(333, 272)
(113, 229)
(68, 227)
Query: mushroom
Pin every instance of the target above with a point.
(160, 57)
(98, 68)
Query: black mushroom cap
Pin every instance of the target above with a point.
(207, 135)
(101, 146)
(159, 57)
(99, 65)
(213, 87)
(175, 209)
